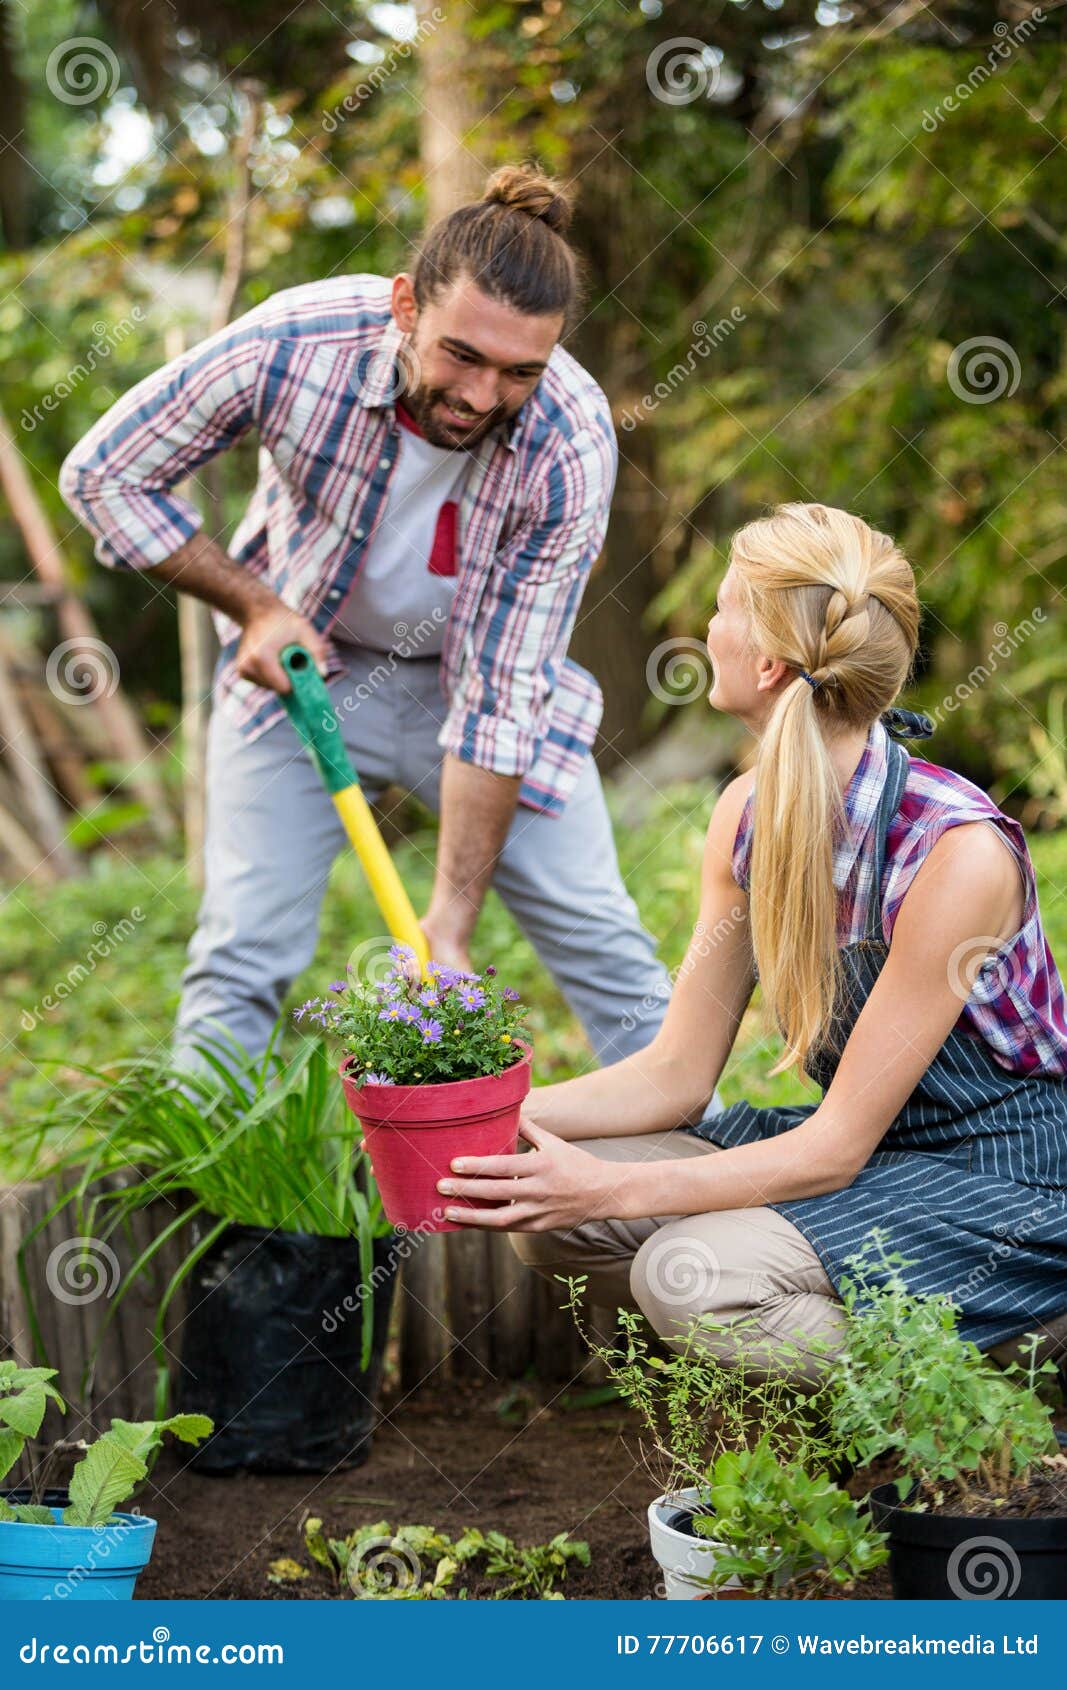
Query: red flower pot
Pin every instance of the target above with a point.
(413, 1133)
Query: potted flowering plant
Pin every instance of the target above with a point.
(435, 1068)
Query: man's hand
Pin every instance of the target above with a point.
(444, 947)
(268, 629)
(202, 569)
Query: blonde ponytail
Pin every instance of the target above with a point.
(835, 600)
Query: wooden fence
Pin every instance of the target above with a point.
(466, 1307)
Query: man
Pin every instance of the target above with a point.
(435, 477)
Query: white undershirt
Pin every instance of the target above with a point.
(395, 603)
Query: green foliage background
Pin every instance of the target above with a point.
(817, 195)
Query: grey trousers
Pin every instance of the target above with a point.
(273, 833)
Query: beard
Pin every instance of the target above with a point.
(427, 404)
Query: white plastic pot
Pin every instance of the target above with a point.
(685, 1560)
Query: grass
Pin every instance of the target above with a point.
(66, 1004)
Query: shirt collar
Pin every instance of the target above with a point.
(381, 378)
(861, 799)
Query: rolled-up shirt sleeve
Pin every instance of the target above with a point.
(120, 478)
(499, 712)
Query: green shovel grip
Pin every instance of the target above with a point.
(313, 716)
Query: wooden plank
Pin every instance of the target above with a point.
(511, 1327)
(469, 1302)
(425, 1339)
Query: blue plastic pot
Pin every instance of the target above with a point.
(72, 1563)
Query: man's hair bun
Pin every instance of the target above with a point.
(522, 188)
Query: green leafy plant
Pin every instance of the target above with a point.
(241, 1139)
(753, 1448)
(110, 1469)
(393, 1566)
(695, 1406)
(908, 1385)
(786, 1532)
(403, 1030)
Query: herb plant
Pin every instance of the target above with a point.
(695, 1406)
(403, 1030)
(754, 1450)
(908, 1385)
(786, 1532)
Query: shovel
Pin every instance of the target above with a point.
(313, 716)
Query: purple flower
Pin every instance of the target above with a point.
(511, 994)
(490, 971)
(430, 998)
(400, 953)
(393, 1012)
(338, 985)
(408, 1012)
(377, 1080)
(306, 1008)
(471, 997)
(430, 1029)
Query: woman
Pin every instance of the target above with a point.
(865, 889)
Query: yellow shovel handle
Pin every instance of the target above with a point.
(378, 866)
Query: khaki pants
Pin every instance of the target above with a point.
(735, 1265)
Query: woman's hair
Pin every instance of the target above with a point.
(833, 597)
(510, 242)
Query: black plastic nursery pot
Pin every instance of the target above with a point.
(272, 1347)
(967, 1557)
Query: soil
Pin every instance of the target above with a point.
(447, 1459)
(507, 1458)
(1041, 1495)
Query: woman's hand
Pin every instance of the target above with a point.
(553, 1187)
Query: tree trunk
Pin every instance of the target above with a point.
(451, 110)
(610, 636)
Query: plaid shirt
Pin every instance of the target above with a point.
(314, 371)
(1016, 1006)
